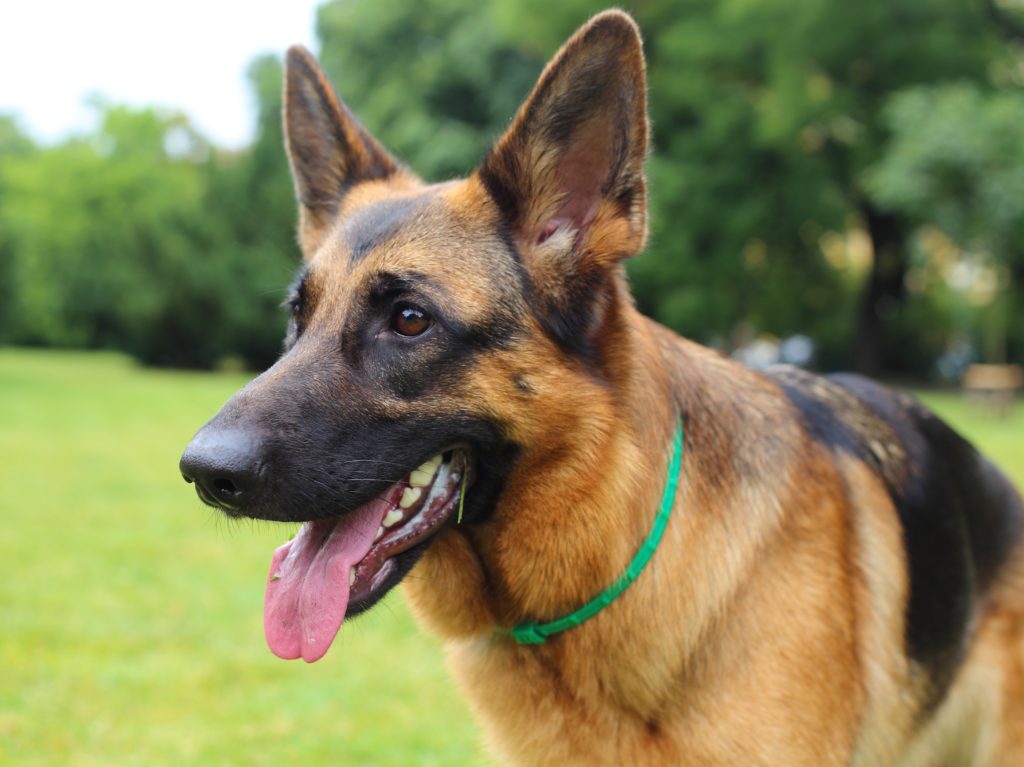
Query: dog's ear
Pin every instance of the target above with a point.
(568, 174)
(328, 149)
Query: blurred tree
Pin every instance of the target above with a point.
(13, 144)
(249, 195)
(141, 237)
(13, 140)
(435, 80)
(956, 161)
(94, 223)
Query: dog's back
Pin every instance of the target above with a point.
(960, 517)
(960, 522)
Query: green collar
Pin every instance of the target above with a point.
(536, 633)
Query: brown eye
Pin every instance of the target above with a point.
(410, 320)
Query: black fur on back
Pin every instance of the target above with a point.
(960, 515)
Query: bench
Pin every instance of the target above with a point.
(993, 386)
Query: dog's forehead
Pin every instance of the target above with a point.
(434, 231)
(372, 225)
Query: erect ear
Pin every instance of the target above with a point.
(568, 174)
(328, 149)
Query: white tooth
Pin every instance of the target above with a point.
(431, 466)
(351, 576)
(423, 474)
(409, 496)
(380, 532)
(420, 478)
(393, 517)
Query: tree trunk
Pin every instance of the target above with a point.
(883, 292)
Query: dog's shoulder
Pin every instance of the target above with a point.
(961, 518)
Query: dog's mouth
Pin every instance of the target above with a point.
(350, 559)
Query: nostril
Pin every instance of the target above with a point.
(226, 468)
(225, 486)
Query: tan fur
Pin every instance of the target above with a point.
(769, 627)
(622, 672)
(759, 576)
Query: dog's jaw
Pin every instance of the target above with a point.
(347, 559)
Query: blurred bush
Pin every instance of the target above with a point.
(145, 238)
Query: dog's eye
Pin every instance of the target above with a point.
(409, 320)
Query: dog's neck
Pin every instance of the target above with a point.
(540, 556)
(571, 519)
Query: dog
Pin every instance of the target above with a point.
(637, 551)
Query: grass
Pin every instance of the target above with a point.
(131, 616)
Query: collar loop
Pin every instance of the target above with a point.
(536, 633)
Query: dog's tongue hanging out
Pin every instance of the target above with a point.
(308, 585)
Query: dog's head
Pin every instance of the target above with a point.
(441, 336)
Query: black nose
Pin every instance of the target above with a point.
(225, 466)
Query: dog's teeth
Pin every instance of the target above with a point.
(431, 466)
(409, 497)
(379, 535)
(393, 517)
(423, 474)
(351, 576)
(420, 478)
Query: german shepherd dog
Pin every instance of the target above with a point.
(468, 392)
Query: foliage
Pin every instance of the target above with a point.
(84, 219)
(250, 196)
(141, 237)
(956, 161)
(13, 144)
(436, 80)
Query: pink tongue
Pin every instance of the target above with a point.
(308, 585)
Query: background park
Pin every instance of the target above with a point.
(850, 174)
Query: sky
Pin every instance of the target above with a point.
(189, 55)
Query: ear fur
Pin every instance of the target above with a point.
(568, 174)
(328, 149)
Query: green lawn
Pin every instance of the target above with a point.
(130, 615)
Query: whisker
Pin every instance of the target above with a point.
(373, 460)
(369, 479)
